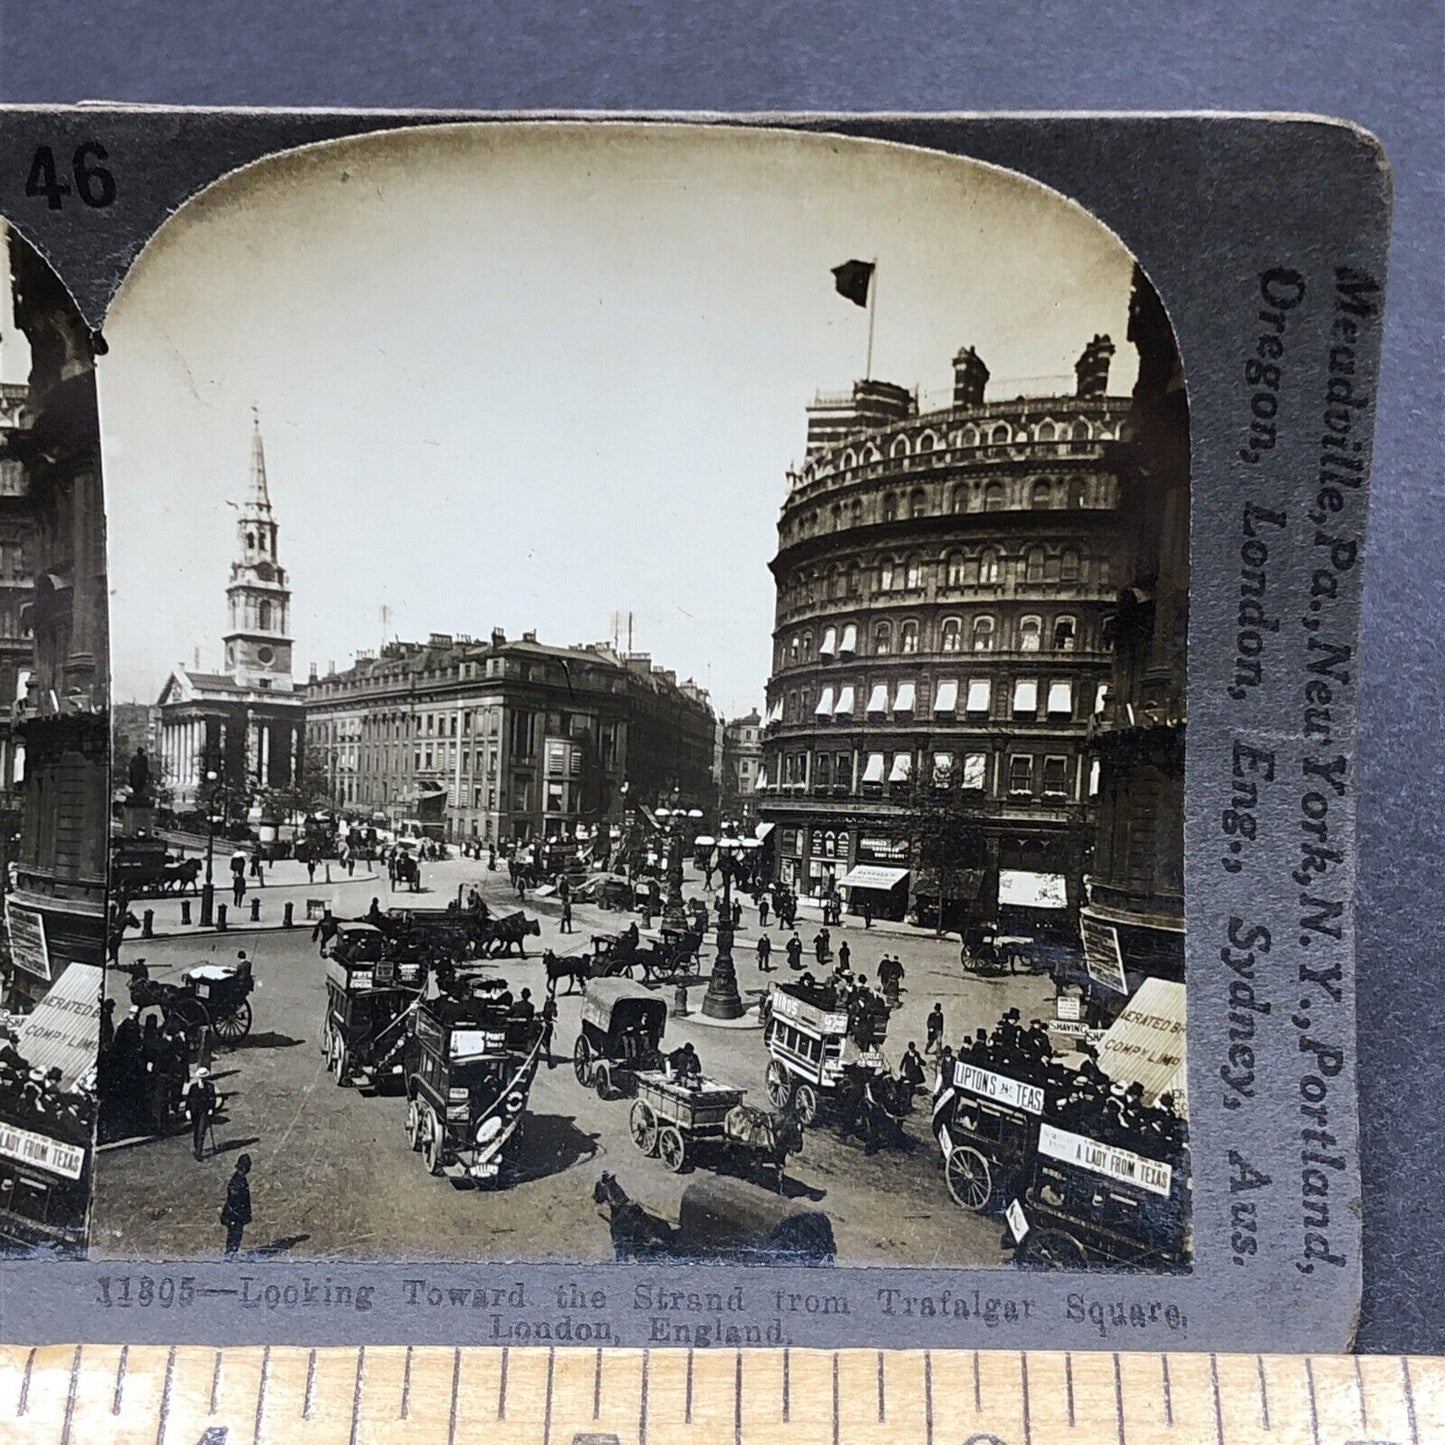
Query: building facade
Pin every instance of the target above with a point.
(505, 740)
(56, 908)
(17, 580)
(742, 764)
(945, 587)
(245, 722)
(1133, 920)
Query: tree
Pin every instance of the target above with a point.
(945, 832)
(309, 791)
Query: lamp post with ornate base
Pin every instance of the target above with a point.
(208, 888)
(722, 1000)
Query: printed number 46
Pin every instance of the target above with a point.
(94, 184)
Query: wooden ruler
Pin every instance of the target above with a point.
(395, 1395)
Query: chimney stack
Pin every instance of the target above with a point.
(970, 376)
(313, 672)
(1092, 368)
(499, 638)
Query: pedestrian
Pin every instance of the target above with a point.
(200, 1105)
(935, 1029)
(820, 946)
(763, 911)
(911, 1073)
(310, 866)
(867, 912)
(257, 870)
(566, 915)
(844, 954)
(795, 952)
(549, 1019)
(236, 1211)
(238, 878)
(765, 949)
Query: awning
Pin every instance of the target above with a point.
(846, 702)
(825, 704)
(878, 698)
(1061, 698)
(762, 830)
(62, 1031)
(980, 692)
(704, 840)
(1026, 695)
(872, 875)
(945, 699)
(1145, 1044)
(907, 698)
(829, 644)
(942, 765)
(1018, 888)
(873, 772)
(775, 713)
(850, 638)
(902, 768)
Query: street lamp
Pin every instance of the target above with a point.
(722, 1000)
(208, 891)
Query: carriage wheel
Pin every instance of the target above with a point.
(671, 1149)
(188, 1011)
(234, 1026)
(431, 1145)
(339, 1062)
(603, 1081)
(1052, 1249)
(582, 1062)
(643, 1125)
(970, 1180)
(805, 1104)
(780, 1085)
(414, 1124)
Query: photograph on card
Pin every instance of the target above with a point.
(650, 668)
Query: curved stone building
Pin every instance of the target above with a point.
(946, 583)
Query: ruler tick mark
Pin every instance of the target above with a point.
(597, 1386)
(1168, 1392)
(1214, 1386)
(165, 1410)
(1263, 1393)
(928, 1394)
(687, 1396)
(547, 1409)
(356, 1395)
(115, 1399)
(70, 1395)
(215, 1382)
(1314, 1406)
(1024, 1391)
(1360, 1393)
(261, 1394)
(309, 1398)
(787, 1394)
(977, 1387)
(456, 1385)
(406, 1386)
(24, 1404)
(835, 1397)
(882, 1407)
(1069, 1385)
(502, 1387)
(1409, 1400)
(1118, 1397)
(642, 1405)
(737, 1397)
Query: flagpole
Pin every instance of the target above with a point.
(872, 302)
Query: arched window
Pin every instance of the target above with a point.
(795, 650)
(950, 637)
(850, 459)
(1000, 434)
(968, 437)
(914, 575)
(836, 582)
(993, 497)
(927, 442)
(899, 447)
(1041, 497)
(855, 512)
(1103, 566)
(250, 541)
(918, 503)
(1081, 434)
(263, 616)
(882, 640)
(885, 574)
(837, 515)
(890, 506)
(1076, 491)
(908, 637)
(1045, 431)
(953, 569)
(960, 497)
(807, 646)
(1034, 565)
(1069, 565)
(983, 633)
(1065, 634)
(1031, 631)
(871, 453)
(855, 580)
(988, 567)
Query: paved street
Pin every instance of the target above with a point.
(332, 1169)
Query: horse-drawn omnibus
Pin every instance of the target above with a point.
(621, 1034)
(987, 1126)
(44, 1179)
(364, 1036)
(469, 1064)
(813, 1041)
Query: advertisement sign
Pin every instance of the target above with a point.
(786, 1006)
(999, 1088)
(1120, 1164)
(1018, 1222)
(1101, 954)
(42, 1153)
(28, 948)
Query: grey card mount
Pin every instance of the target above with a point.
(683, 729)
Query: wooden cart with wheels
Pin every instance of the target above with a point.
(670, 1118)
(621, 1034)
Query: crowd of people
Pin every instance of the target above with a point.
(142, 1072)
(34, 1098)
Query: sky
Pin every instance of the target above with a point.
(534, 376)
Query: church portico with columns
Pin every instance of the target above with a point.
(245, 722)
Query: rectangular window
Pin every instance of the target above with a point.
(850, 639)
(1026, 696)
(1061, 699)
(946, 698)
(907, 698)
(1021, 775)
(878, 699)
(829, 644)
(902, 768)
(1094, 778)
(843, 770)
(975, 770)
(1056, 777)
(980, 695)
(942, 767)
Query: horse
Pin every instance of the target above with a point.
(497, 935)
(637, 1234)
(575, 968)
(177, 877)
(121, 919)
(767, 1136)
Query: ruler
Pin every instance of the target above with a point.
(396, 1395)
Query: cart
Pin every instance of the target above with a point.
(365, 1030)
(669, 1117)
(1092, 1203)
(210, 995)
(812, 1043)
(665, 954)
(622, 1028)
(987, 1126)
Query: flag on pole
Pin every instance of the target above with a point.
(853, 279)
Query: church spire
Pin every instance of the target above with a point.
(260, 497)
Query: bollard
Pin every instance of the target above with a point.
(148, 923)
(186, 911)
(679, 1002)
(255, 910)
(328, 872)
(287, 920)
(220, 918)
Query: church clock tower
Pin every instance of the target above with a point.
(258, 643)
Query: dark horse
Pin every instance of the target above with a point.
(576, 968)
(637, 1234)
(764, 1138)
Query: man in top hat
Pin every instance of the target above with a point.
(935, 1029)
